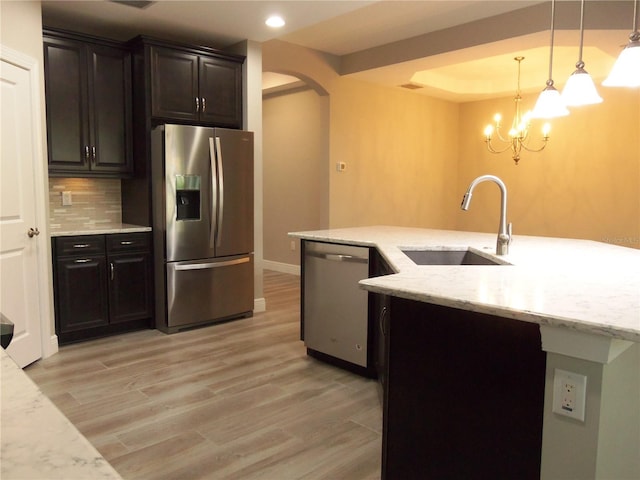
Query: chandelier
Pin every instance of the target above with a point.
(518, 135)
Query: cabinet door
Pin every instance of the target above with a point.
(129, 287)
(110, 109)
(174, 84)
(81, 293)
(67, 105)
(221, 92)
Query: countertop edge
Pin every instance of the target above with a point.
(99, 230)
(411, 281)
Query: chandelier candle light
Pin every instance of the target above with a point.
(518, 138)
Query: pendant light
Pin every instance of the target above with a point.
(580, 89)
(626, 70)
(549, 104)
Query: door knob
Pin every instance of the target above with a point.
(33, 232)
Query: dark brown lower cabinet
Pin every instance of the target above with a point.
(463, 397)
(81, 293)
(102, 285)
(127, 294)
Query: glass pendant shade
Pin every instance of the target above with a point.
(580, 90)
(626, 70)
(549, 104)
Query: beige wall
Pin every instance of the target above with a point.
(296, 164)
(401, 151)
(585, 184)
(410, 158)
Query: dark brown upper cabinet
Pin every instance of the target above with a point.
(89, 109)
(198, 87)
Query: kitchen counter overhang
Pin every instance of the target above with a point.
(97, 229)
(582, 286)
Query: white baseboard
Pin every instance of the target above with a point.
(51, 348)
(259, 305)
(281, 267)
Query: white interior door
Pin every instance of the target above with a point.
(20, 157)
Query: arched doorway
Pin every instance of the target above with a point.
(295, 120)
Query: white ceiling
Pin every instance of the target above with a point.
(344, 28)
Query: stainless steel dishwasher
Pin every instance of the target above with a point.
(335, 309)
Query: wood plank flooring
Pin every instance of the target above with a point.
(239, 400)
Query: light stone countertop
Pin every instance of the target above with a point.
(98, 229)
(581, 285)
(37, 440)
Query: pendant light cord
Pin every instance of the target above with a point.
(553, 8)
(580, 63)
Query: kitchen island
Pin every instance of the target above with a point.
(583, 296)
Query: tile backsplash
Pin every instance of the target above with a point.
(95, 202)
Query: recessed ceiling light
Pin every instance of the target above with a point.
(275, 21)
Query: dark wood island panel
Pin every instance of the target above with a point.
(464, 395)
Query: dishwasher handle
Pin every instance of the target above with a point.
(338, 257)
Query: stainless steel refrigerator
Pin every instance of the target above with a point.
(203, 200)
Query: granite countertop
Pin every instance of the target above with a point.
(582, 285)
(101, 229)
(38, 441)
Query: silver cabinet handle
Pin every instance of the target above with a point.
(112, 270)
(33, 232)
(86, 152)
(197, 104)
(93, 154)
(82, 260)
(126, 242)
(81, 245)
(204, 104)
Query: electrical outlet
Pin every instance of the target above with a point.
(293, 245)
(341, 166)
(569, 394)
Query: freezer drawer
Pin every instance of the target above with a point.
(207, 290)
(335, 307)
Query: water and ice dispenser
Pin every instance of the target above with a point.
(188, 197)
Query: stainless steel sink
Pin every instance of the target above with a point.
(449, 257)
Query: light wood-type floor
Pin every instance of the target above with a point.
(237, 400)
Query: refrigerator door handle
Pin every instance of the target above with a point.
(205, 266)
(221, 188)
(214, 194)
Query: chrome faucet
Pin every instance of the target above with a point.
(504, 234)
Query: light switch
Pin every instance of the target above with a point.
(66, 199)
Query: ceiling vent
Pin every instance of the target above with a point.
(134, 3)
(411, 86)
